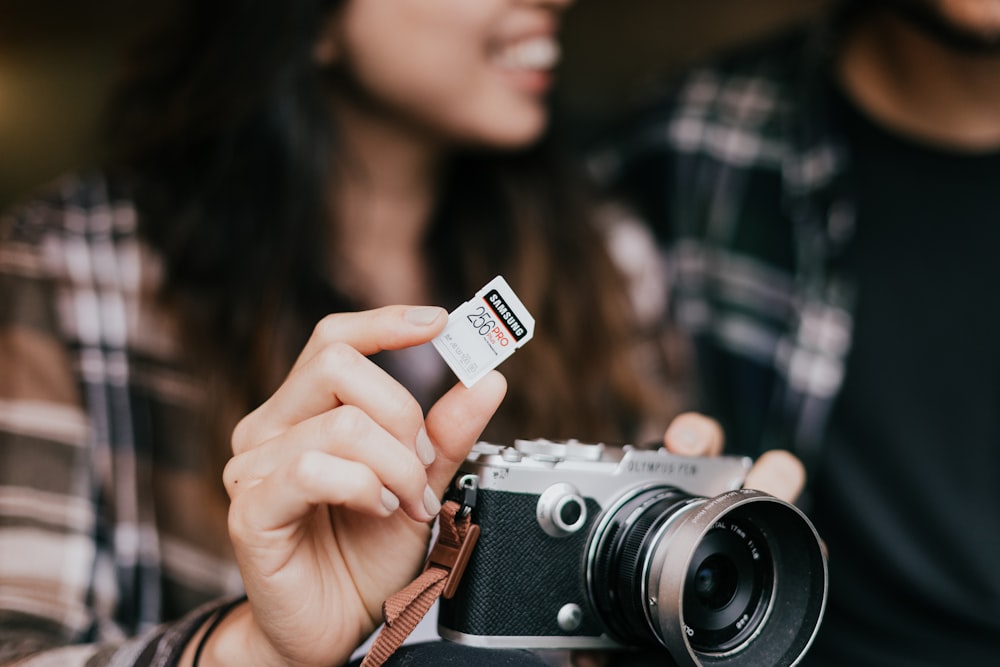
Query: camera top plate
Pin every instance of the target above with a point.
(561, 450)
(530, 466)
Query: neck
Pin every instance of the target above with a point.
(384, 197)
(909, 81)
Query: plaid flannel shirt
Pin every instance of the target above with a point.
(741, 172)
(106, 531)
(104, 521)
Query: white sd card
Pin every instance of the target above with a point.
(484, 331)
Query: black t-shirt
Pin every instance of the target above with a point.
(908, 492)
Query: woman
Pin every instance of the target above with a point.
(327, 159)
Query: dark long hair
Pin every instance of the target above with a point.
(228, 149)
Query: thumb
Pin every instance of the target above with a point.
(779, 473)
(694, 434)
(455, 422)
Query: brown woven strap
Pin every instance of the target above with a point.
(444, 567)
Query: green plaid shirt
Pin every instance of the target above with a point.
(743, 168)
(739, 169)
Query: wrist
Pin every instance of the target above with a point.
(228, 637)
(238, 640)
(234, 638)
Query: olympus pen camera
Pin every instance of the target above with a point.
(585, 546)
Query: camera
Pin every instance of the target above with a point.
(588, 546)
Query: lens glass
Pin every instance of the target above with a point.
(715, 581)
(728, 587)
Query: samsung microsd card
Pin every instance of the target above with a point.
(484, 331)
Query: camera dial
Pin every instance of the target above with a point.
(561, 510)
(560, 450)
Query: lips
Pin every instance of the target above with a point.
(537, 53)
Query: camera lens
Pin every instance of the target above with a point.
(732, 580)
(727, 587)
(715, 581)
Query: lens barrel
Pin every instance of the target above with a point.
(737, 579)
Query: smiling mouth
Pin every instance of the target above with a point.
(539, 53)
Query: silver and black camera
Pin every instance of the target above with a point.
(585, 546)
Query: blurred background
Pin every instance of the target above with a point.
(58, 60)
(614, 50)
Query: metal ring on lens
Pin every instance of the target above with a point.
(619, 546)
(788, 617)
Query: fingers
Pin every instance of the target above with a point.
(279, 483)
(776, 472)
(337, 375)
(455, 422)
(279, 501)
(342, 432)
(333, 370)
(371, 331)
(779, 473)
(345, 434)
(693, 434)
(589, 658)
(305, 464)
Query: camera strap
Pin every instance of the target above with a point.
(442, 572)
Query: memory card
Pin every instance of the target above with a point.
(484, 331)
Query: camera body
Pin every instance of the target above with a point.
(591, 546)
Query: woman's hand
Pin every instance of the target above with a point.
(333, 484)
(776, 472)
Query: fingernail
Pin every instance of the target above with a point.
(686, 440)
(423, 315)
(389, 500)
(425, 449)
(431, 502)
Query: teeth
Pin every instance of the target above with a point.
(536, 53)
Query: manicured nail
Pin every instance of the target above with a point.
(389, 500)
(423, 315)
(431, 502)
(425, 449)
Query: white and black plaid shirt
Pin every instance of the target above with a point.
(106, 529)
(108, 534)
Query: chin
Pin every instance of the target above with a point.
(517, 140)
(965, 25)
(976, 14)
(510, 135)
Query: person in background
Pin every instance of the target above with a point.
(830, 206)
(219, 303)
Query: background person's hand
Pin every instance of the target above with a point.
(333, 484)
